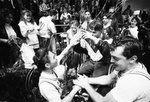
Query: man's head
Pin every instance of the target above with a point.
(53, 13)
(87, 15)
(96, 27)
(126, 53)
(105, 20)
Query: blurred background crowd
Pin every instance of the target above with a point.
(27, 25)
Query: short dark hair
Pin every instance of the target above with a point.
(74, 22)
(96, 25)
(132, 47)
(53, 12)
(136, 18)
(4, 12)
(41, 58)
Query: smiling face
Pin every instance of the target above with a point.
(27, 17)
(119, 61)
(73, 28)
(133, 22)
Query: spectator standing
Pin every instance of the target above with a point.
(29, 29)
(87, 21)
(48, 30)
(133, 28)
(9, 31)
(65, 17)
(12, 5)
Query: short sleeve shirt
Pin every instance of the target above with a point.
(132, 87)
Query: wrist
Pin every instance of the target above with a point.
(7, 41)
(70, 45)
(74, 91)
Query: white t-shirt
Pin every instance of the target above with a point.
(10, 31)
(65, 15)
(47, 27)
(134, 32)
(85, 24)
(27, 54)
(32, 36)
(132, 87)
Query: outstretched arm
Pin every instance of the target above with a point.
(95, 56)
(105, 79)
(83, 82)
(74, 41)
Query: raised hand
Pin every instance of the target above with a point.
(87, 35)
(76, 39)
(83, 43)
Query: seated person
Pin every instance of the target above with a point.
(99, 62)
(98, 51)
(49, 85)
(129, 75)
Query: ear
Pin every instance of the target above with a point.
(47, 65)
(133, 59)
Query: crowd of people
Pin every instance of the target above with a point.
(105, 50)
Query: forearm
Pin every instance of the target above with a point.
(65, 52)
(3, 40)
(102, 80)
(70, 96)
(95, 96)
(95, 40)
(91, 53)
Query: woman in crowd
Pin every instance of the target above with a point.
(133, 28)
(29, 29)
(9, 31)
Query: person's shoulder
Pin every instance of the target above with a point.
(68, 31)
(42, 18)
(21, 23)
(50, 23)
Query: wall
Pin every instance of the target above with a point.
(139, 4)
